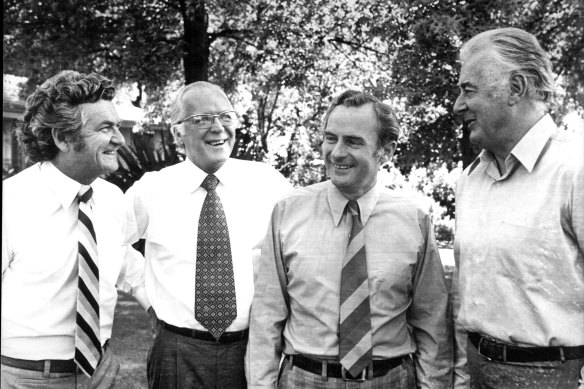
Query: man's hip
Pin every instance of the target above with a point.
(22, 373)
(298, 371)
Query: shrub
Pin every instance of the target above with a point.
(433, 188)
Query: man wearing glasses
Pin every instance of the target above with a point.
(203, 221)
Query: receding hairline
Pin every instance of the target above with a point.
(198, 86)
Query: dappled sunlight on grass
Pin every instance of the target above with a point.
(131, 339)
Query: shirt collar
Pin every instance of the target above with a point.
(63, 187)
(338, 202)
(530, 147)
(527, 150)
(194, 176)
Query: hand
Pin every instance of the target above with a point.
(153, 322)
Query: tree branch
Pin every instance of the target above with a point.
(356, 45)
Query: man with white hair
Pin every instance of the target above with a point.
(203, 220)
(519, 288)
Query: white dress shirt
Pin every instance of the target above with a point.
(39, 261)
(166, 207)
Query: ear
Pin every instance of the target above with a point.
(60, 140)
(517, 88)
(386, 153)
(176, 131)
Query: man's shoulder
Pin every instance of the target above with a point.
(252, 168)
(403, 201)
(168, 173)
(566, 148)
(102, 186)
(303, 195)
(26, 180)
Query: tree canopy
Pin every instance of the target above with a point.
(283, 61)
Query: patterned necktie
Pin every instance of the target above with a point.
(215, 304)
(355, 347)
(87, 340)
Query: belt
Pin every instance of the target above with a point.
(335, 370)
(55, 365)
(500, 352)
(226, 337)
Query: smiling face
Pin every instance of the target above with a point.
(350, 149)
(483, 101)
(208, 148)
(96, 152)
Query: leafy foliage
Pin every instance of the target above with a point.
(282, 61)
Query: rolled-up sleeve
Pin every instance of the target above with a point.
(429, 315)
(269, 311)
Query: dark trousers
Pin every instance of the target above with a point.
(485, 374)
(176, 361)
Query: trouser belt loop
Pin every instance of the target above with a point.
(504, 353)
(324, 370)
(370, 372)
(291, 361)
(562, 356)
(47, 369)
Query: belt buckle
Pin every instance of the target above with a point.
(361, 377)
(479, 349)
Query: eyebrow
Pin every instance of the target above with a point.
(348, 137)
(109, 123)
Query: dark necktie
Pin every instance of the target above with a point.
(87, 337)
(215, 304)
(355, 347)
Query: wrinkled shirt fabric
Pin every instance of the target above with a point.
(302, 257)
(519, 245)
(166, 207)
(40, 263)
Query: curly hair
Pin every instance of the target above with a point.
(388, 130)
(55, 106)
(520, 52)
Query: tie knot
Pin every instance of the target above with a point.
(353, 207)
(210, 183)
(85, 196)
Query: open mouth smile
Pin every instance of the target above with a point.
(341, 167)
(216, 142)
(469, 122)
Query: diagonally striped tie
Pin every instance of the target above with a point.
(87, 340)
(355, 347)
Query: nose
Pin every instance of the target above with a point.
(339, 150)
(217, 126)
(117, 137)
(459, 105)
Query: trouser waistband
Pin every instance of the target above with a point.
(497, 351)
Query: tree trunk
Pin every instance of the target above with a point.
(196, 40)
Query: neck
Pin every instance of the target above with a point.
(525, 117)
(72, 171)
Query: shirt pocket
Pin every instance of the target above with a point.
(391, 280)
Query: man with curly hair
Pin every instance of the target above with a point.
(62, 240)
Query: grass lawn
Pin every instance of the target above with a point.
(131, 339)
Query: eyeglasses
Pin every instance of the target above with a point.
(205, 120)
